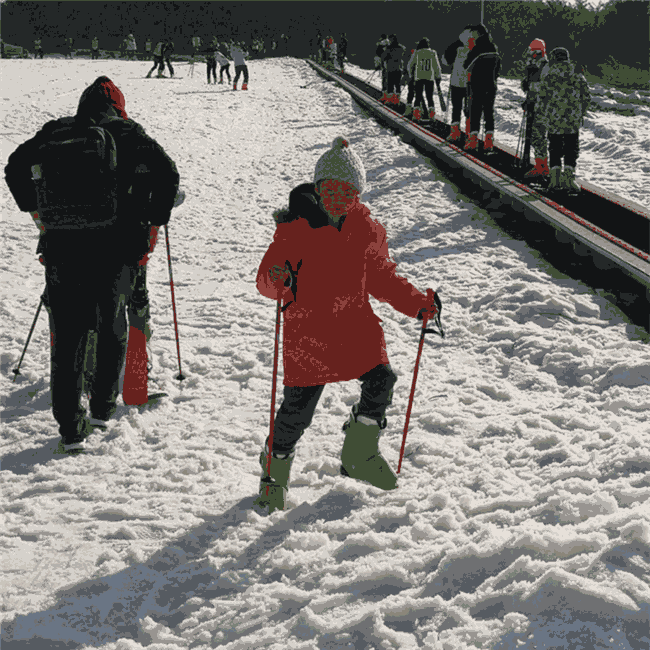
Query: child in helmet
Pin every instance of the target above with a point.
(424, 67)
(536, 70)
(327, 257)
(564, 100)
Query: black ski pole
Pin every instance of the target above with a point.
(180, 376)
(16, 370)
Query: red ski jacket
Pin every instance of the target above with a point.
(331, 333)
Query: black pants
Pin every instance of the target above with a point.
(226, 69)
(169, 66)
(411, 93)
(94, 54)
(426, 86)
(393, 80)
(457, 98)
(482, 104)
(384, 78)
(238, 71)
(158, 64)
(77, 304)
(297, 408)
(563, 145)
(212, 67)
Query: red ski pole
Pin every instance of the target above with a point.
(171, 284)
(278, 318)
(425, 318)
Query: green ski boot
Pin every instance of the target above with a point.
(273, 487)
(360, 456)
(556, 179)
(569, 180)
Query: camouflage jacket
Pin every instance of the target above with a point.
(563, 98)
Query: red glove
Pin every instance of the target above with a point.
(153, 238)
(432, 305)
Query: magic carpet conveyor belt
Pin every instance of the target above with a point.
(624, 241)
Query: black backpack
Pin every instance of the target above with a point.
(75, 174)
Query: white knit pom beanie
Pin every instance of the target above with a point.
(341, 163)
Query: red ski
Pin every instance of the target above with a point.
(135, 391)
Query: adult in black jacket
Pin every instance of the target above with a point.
(483, 65)
(89, 272)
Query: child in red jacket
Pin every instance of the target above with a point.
(327, 257)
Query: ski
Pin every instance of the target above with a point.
(134, 391)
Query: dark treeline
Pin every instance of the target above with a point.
(614, 33)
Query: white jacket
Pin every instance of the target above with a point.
(238, 55)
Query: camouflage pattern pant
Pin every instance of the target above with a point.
(538, 139)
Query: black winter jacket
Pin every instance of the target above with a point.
(147, 186)
(484, 64)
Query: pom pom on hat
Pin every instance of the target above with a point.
(341, 163)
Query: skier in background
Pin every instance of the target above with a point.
(455, 56)
(69, 47)
(158, 60)
(131, 47)
(330, 332)
(563, 100)
(424, 67)
(482, 65)
(98, 298)
(409, 81)
(94, 49)
(38, 48)
(239, 54)
(391, 61)
(319, 53)
(342, 49)
(224, 66)
(382, 44)
(536, 69)
(167, 54)
(147, 49)
(211, 59)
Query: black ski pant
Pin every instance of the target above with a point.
(424, 86)
(481, 103)
(411, 93)
(169, 66)
(393, 81)
(239, 69)
(563, 145)
(212, 67)
(94, 54)
(384, 78)
(80, 301)
(226, 69)
(297, 408)
(457, 98)
(158, 64)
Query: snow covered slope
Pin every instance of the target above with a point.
(522, 516)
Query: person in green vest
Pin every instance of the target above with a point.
(424, 68)
(94, 48)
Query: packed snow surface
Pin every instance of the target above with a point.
(522, 519)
